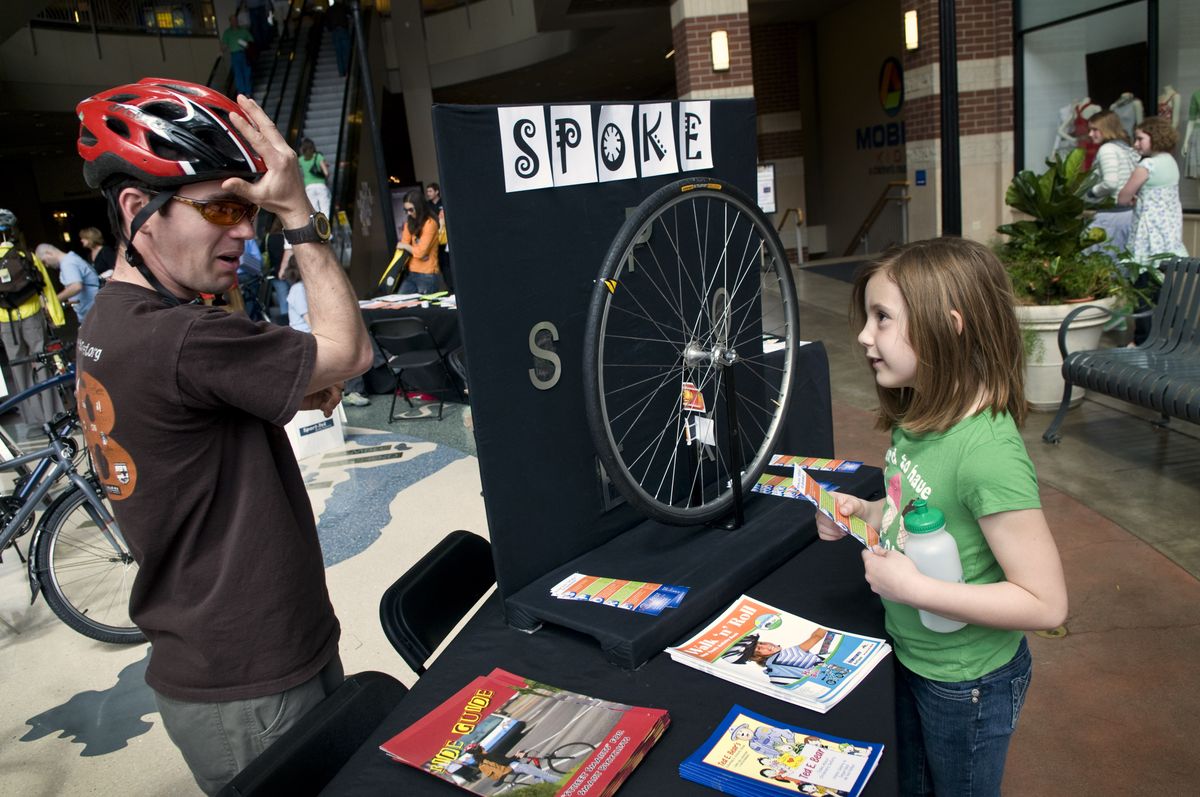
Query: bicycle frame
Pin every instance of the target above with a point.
(55, 381)
(41, 480)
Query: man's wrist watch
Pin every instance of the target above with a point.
(317, 231)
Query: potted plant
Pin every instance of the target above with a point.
(1054, 264)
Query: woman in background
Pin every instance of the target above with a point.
(419, 237)
(103, 258)
(1115, 162)
(315, 171)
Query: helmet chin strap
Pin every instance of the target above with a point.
(134, 258)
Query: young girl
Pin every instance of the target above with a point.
(940, 334)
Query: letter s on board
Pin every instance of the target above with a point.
(544, 354)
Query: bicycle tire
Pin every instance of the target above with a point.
(570, 753)
(672, 326)
(85, 581)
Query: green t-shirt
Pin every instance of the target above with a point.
(236, 39)
(978, 467)
(306, 168)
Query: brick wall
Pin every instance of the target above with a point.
(776, 68)
(984, 30)
(693, 54)
(786, 144)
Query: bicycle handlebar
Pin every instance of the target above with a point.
(45, 357)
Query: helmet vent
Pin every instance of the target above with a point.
(118, 126)
(86, 137)
(165, 110)
(121, 98)
(164, 148)
(181, 88)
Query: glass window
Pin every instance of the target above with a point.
(1078, 68)
(1179, 79)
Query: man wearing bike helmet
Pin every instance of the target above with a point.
(183, 406)
(27, 303)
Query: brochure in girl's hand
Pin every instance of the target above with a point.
(781, 654)
(750, 754)
(801, 485)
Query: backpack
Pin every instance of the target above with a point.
(20, 279)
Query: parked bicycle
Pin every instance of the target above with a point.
(77, 556)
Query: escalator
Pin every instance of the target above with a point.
(297, 83)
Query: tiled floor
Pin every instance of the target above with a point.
(1111, 708)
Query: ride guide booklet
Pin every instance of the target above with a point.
(781, 654)
(506, 733)
(749, 754)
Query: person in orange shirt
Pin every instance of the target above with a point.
(419, 237)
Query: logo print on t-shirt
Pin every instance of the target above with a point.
(114, 466)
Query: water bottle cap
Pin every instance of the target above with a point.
(923, 518)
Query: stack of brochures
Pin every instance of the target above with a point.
(782, 655)
(502, 732)
(749, 754)
(645, 597)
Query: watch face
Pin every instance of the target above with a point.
(320, 223)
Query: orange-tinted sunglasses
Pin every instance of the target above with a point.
(222, 212)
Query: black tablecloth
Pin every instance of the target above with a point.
(823, 582)
(442, 323)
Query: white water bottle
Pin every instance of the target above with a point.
(935, 553)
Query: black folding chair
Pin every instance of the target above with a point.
(305, 759)
(408, 345)
(424, 604)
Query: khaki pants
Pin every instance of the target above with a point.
(218, 740)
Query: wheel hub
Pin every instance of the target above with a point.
(695, 355)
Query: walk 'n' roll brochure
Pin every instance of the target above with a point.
(503, 733)
(749, 754)
(781, 654)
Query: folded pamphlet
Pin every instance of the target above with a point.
(782, 654)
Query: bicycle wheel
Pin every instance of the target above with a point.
(86, 580)
(568, 756)
(695, 293)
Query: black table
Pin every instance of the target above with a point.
(823, 583)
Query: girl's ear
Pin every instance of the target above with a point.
(956, 318)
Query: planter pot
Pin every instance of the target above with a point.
(1043, 365)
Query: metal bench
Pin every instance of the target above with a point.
(1162, 374)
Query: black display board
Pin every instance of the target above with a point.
(534, 196)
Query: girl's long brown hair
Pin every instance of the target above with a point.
(953, 369)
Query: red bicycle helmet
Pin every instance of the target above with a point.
(164, 133)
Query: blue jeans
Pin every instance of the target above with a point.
(241, 73)
(420, 283)
(953, 737)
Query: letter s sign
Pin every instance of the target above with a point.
(547, 367)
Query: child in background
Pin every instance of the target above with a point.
(941, 337)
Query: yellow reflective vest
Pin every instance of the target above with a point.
(48, 298)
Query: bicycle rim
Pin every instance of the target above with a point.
(692, 284)
(86, 580)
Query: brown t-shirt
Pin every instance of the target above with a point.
(182, 409)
